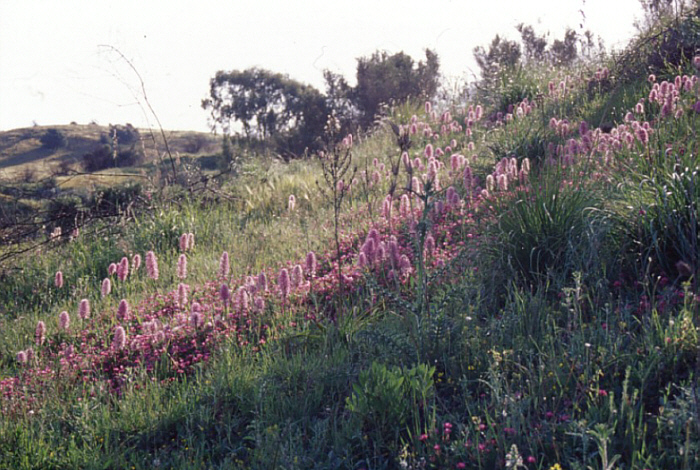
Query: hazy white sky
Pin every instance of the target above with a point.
(54, 70)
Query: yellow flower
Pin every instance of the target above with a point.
(556, 466)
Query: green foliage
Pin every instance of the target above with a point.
(268, 105)
(388, 79)
(546, 231)
(390, 402)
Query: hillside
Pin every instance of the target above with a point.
(23, 156)
(509, 282)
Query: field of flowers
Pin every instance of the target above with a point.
(466, 287)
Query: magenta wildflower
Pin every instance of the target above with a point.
(40, 333)
(136, 261)
(123, 310)
(242, 299)
(225, 294)
(119, 339)
(106, 287)
(111, 269)
(297, 276)
(224, 265)
(428, 107)
(259, 304)
(311, 263)
(183, 242)
(262, 282)
(58, 279)
(190, 241)
(182, 266)
(152, 265)
(84, 309)
(428, 151)
(22, 357)
(362, 260)
(64, 321)
(283, 282)
(196, 319)
(429, 245)
(182, 294)
(123, 269)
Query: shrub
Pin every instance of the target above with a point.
(53, 139)
(98, 159)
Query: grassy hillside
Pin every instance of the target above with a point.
(22, 155)
(470, 287)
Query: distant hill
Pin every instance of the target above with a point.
(22, 154)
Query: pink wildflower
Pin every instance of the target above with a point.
(84, 309)
(58, 279)
(123, 269)
(224, 265)
(262, 282)
(311, 263)
(297, 276)
(22, 357)
(183, 242)
(123, 310)
(291, 204)
(40, 333)
(119, 339)
(190, 241)
(225, 294)
(428, 107)
(106, 287)
(182, 266)
(136, 261)
(111, 269)
(259, 304)
(283, 282)
(428, 151)
(182, 294)
(152, 265)
(64, 321)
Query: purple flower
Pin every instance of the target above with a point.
(64, 320)
(106, 287)
(152, 265)
(58, 279)
(84, 309)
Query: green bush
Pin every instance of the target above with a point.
(53, 139)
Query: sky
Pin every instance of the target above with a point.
(64, 61)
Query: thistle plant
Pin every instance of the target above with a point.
(336, 165)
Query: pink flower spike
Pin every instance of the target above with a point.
(190, 241)
(84, 309)
(311, 263)
(123, 310)
(64, 321)
(40, 333)
(224, 265)
(225, 294)
(112, 269)
(119, 339)
(106, 287)
(136, 261)
(123, 269)
(152, 266)
(58, 279)
(283, 282)
(183, 242)
(182, 266)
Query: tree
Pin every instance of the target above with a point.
(269, 106)
(384, 78)
(53, 139)
(502, 55)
